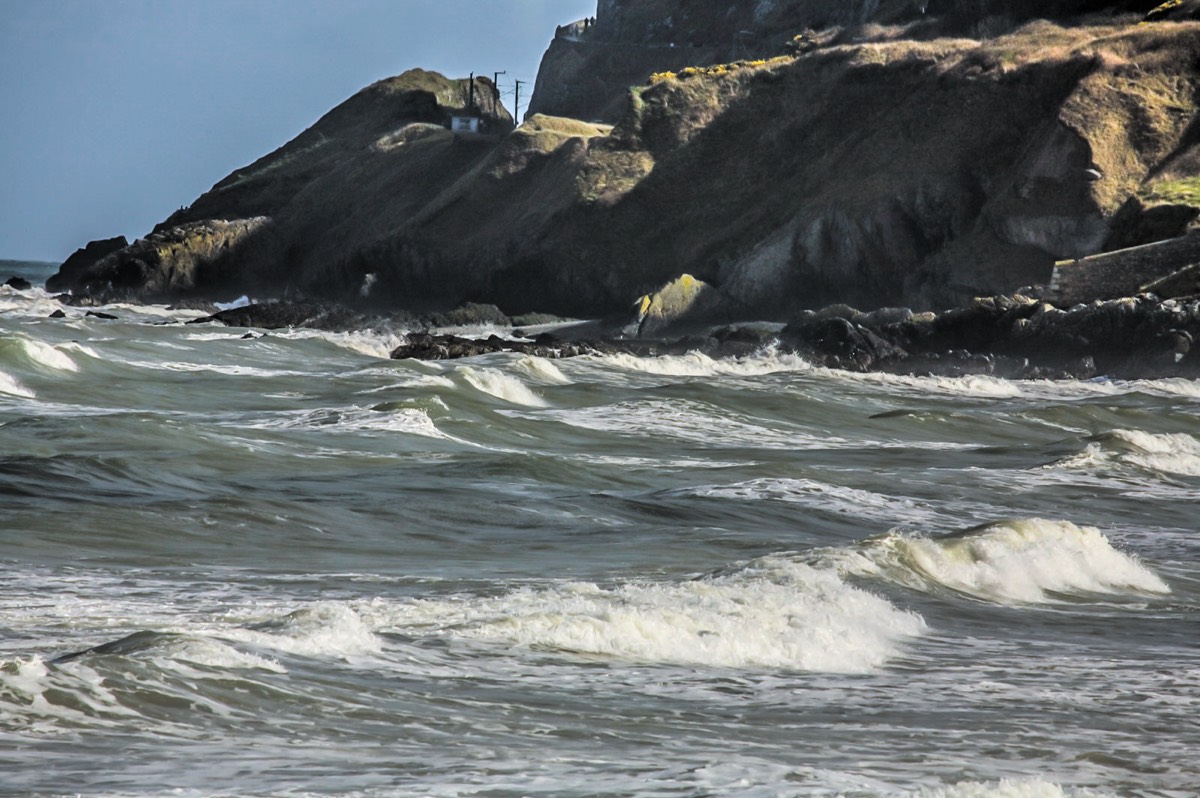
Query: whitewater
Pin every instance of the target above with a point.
(245, 564)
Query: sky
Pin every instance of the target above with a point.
(114, 113)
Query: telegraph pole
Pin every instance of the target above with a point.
(496, 91)
(517, 103)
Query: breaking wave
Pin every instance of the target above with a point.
(772, 613)
(1169, 453)
(1024, 561)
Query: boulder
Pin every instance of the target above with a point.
(684, 300)
(282, 315)
(1123, 272)
(428, 346)
(82, 260)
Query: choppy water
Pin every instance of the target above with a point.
(305, 569)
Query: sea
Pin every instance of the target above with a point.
(248, 563)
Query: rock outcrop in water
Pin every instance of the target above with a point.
(898, 153)
(1015, 337)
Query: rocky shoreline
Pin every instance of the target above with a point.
(1013, 336)
(884, 153)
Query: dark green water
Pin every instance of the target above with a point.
(305, 569)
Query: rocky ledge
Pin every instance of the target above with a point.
(1015, 337)
(1011, 336)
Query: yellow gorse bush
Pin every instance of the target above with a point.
(715, 70)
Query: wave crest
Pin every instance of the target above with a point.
(1022, 561)
(1170, 453)
(774, 613)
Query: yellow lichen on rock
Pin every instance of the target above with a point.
(681, 299)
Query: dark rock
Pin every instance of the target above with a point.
(18, 283)
(99, 315)
(428, 346)
(176, 261)
(58, 314)
(470, 314)
(79, 301)
(1013, 337)
(840, 343)
(278, 315)
(193, 303)
(82, 260)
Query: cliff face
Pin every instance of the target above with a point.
(891, 170)
(361, 171)
(586, 70)
(878, 173)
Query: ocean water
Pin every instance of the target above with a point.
(286, 565)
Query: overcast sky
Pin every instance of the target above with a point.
(113, 113)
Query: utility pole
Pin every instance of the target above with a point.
(471, 94)
(517, 103)
(496, 91)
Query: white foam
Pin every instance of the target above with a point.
(1175, 453)
(75, 346)
(215, 654)
(694, 422)
(1019, 788)
(500, 385)
(10, 385)
(414, 381)
(240, 302)
(230, 369)
(853, 502)
(322, 630)
(36, 691)
(539, 368)
(697, 364)
(46, 356)
(654, 462)
(1171, 386)
(1024, 561)
(981, 386)
(774, 613)
(363, 342)
(1170, 453)
(405, 420)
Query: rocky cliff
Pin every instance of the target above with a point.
(587, 68)
(880, 161)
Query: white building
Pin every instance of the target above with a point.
(464, 124)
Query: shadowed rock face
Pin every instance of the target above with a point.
(82, 260)
(586, 70)
(876, 166)
(175, 261)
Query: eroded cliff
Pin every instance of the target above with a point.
(871, 165)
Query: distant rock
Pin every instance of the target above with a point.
(171, 263)
(427, 346)
(1017, 337)
(18, 283)
(82, 260)
(281, 315)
